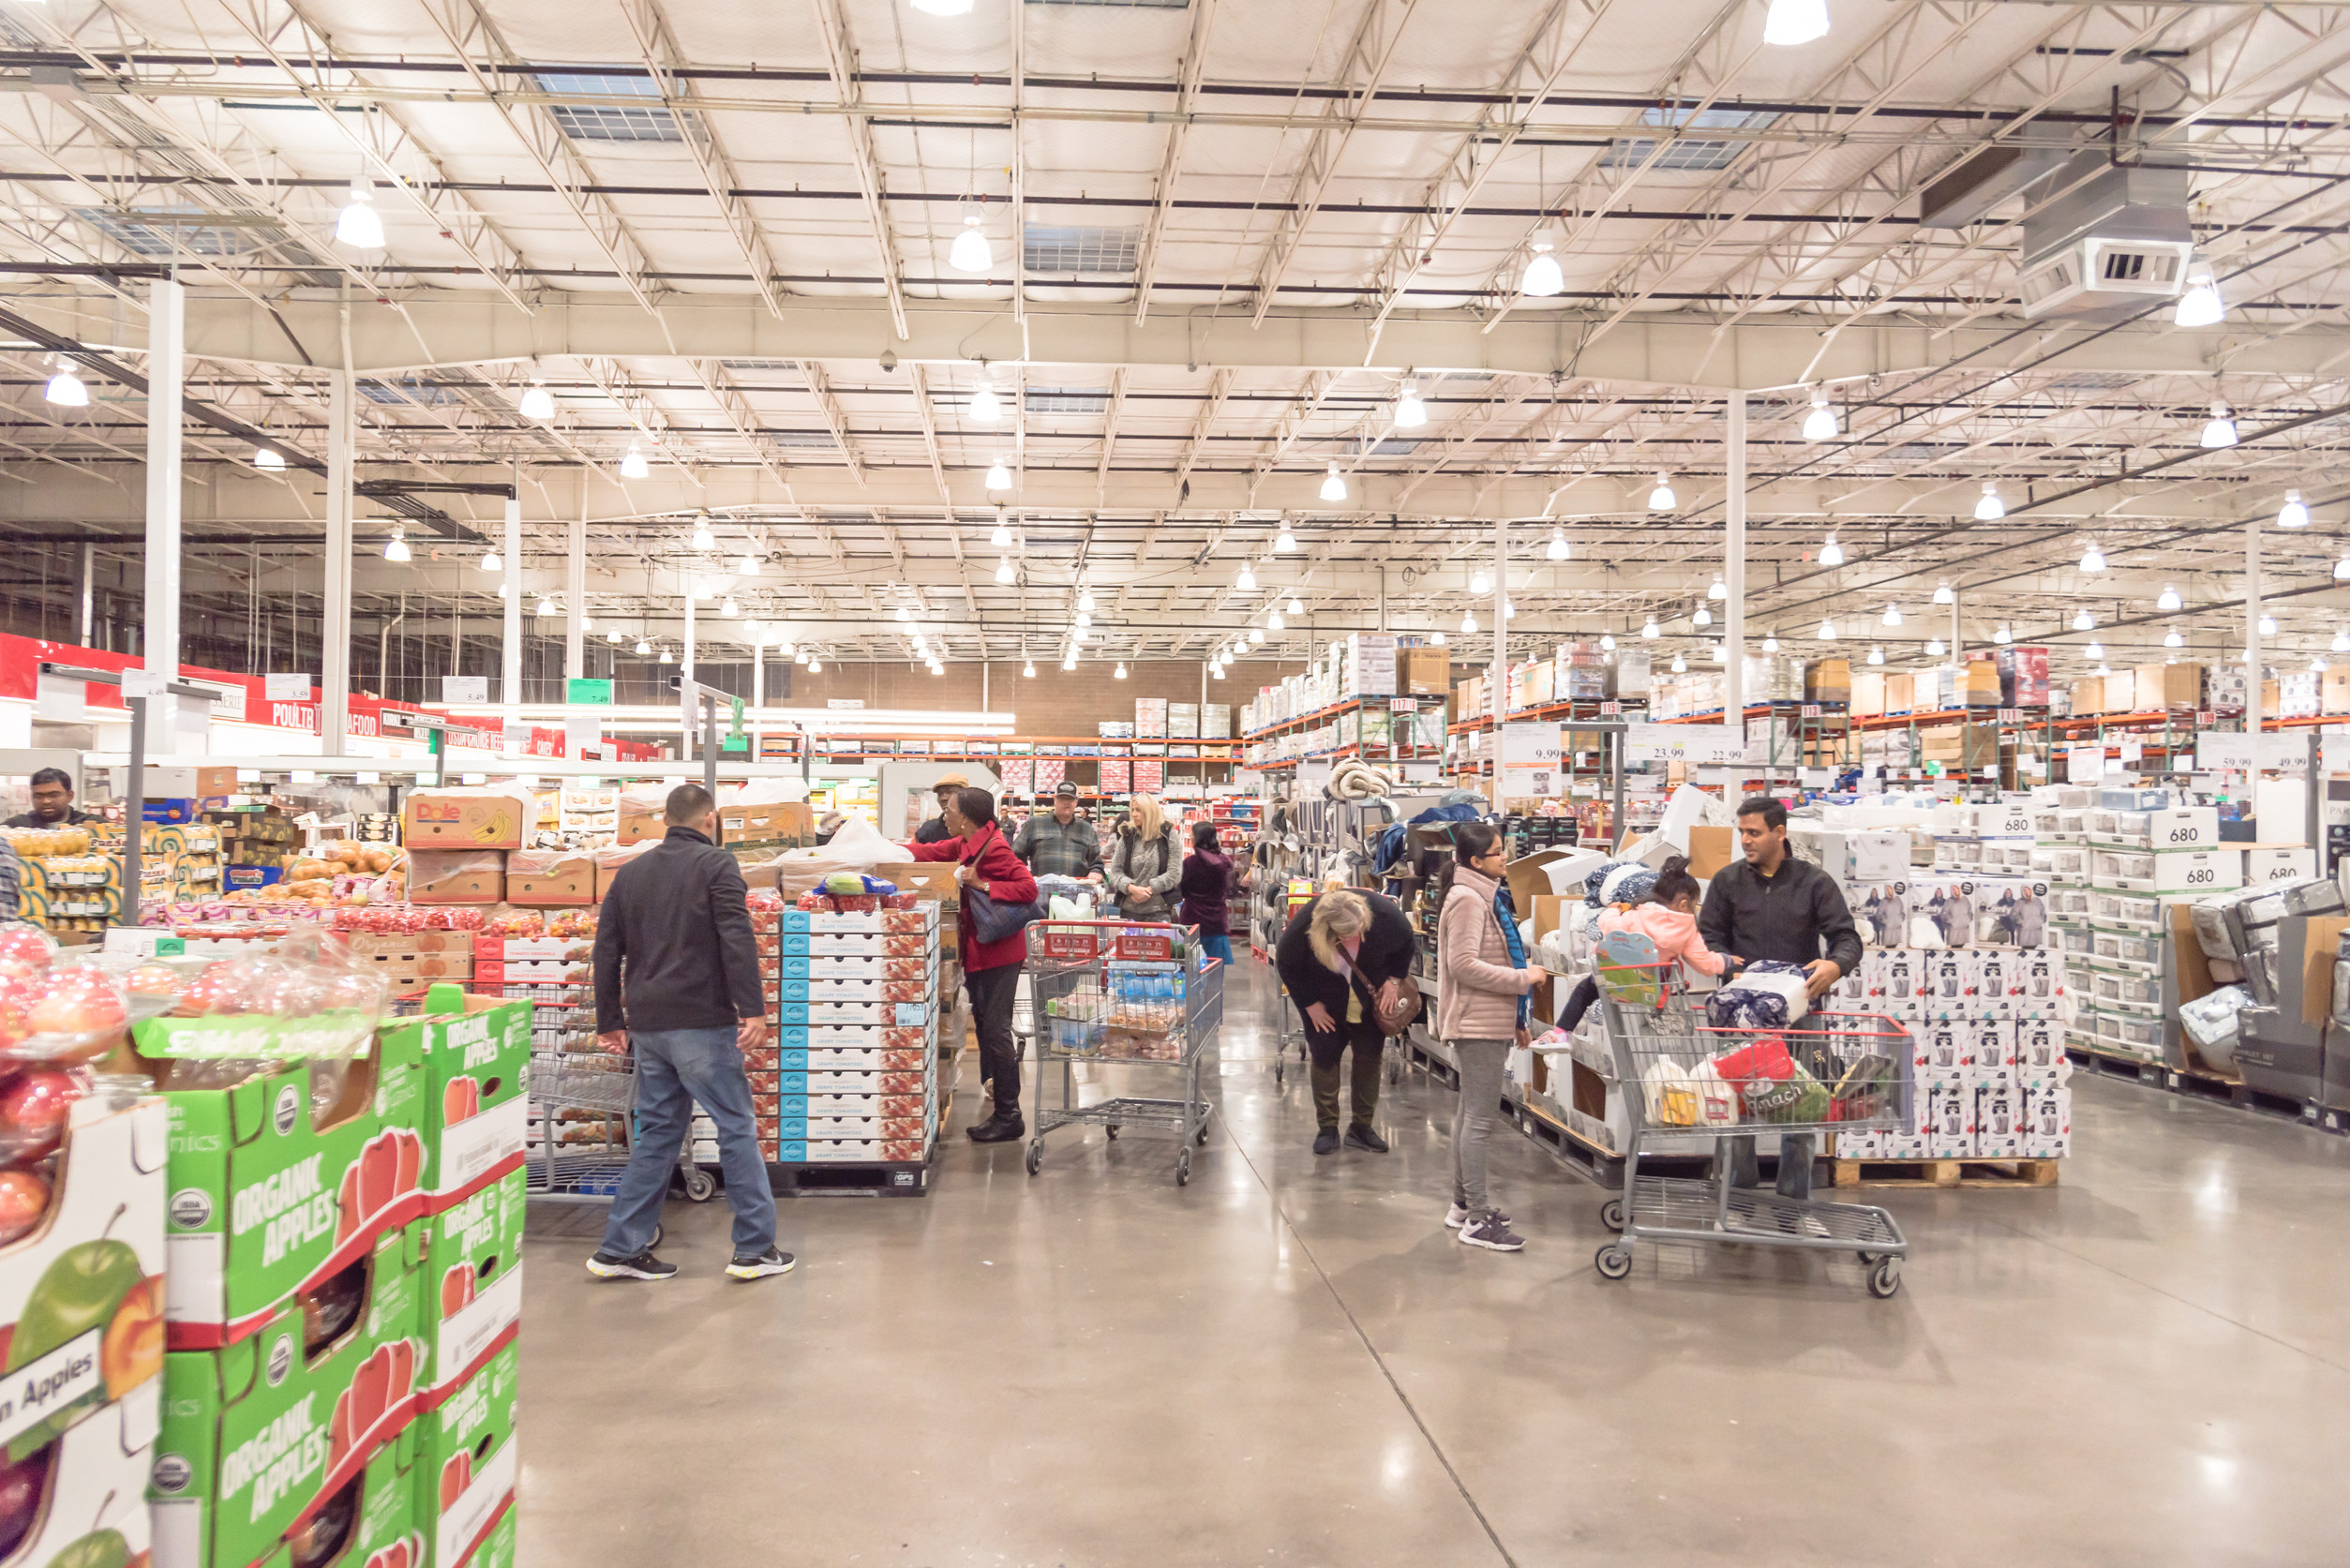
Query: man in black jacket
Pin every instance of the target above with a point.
(676, 976)
(1771, 905)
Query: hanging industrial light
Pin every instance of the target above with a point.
(971, 251)
(1247, 581)
(2342, 642)
(1934, 649)
(702, 539)
(633, 465)
(1285, 542)
(2172, 639)
(1468, 624)
(1297, 606)
(2169, 599)
(2267, 625)
(1771, 642)
(613, 636)
(2094, 650)
(1543, 278)
(747, 567)
(1608, 642)
(1794, 22)
(984, 409)
(1411, 413)
(1650, 630)
(1827, 630)
(1559, 550)
(2002, 636)
(815, 665)
(395, 549)
(1700, 617)
(2342, 568)
(537, 402)
(2083, 621)
(1083, 617)
(65, 388)
(2201, 305)
(1256, 634)
(729, 608)
(1892, 616)
(1680, 664)
(1479, 583)
(1875, 655)
(1276, 620)
(1943, 594)
(998, 475)
(269, 460)
(643, 648)
(2293, 514)
(1720, 589)
(359, 225)
(490, 561)
(2220, 430)
(1334, 482)
(1084, 600)
(1821, 424)
(1990, 509)
(2093, 559)
(547, 606)
(1004, 574)
(1437, 638)
(1662, 498)
(1832, 553)
(705, 591)
(1001, 538)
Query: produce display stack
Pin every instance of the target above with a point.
(344, 1219)
(82, 1192)
(852, 1079)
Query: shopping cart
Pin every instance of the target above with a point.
(581, 1112)
(1130, 995)
(1287, 1025)
(1836, 1072)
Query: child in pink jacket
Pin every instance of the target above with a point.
(1669, 918)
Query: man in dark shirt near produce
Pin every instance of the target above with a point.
(677, 981)
(53, 802)
(1769, 904)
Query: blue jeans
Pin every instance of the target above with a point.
(1219, 946)
(676, 1068)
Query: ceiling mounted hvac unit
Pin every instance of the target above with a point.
(2105, 241)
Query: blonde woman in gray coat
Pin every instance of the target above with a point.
(1145, 863)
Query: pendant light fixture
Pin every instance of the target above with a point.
(1606, 642)
(1001, 538)
(1437, 638)
(269, 460)
(2093, 559)
(1411, 413)
(2201, 305)
(1559, 550)
(1662, 498)
(971, 251)
(1943, 594)
(1821, 424)
(490, 561)
(537, 402)
(1720, 589)
(547, 607)
(359, 225)
(2342, 568)
(1247, 581)
(729, 608)
(1334, 482)
(702, 538)
(2219, 429)
(1256, 634)
(395, 549)
(634, 465)
(1468, 624)
(1004, 573)
(1700, 617)
(2094, 650)
(2083, 621)
(1875, 655)
(1789, 23)
(1832, 553)
(1990, 509)
(1771, 642)
(998, 475)
(1285, 542)
(643, 648)
(2170, 599)
(1827, 630)
(1297, 606)
(1892, 616)
(1276, 621)
(984, 407)
(747, 567)
(2172, 639)
(65, 388)
(1650, 630)
(815, 665)
(1479, 583)
(2267, 625)
(2002, 637)
(1543, 278)
(1934, 649)
(2293, 514)
(2342, 642)
(1680, 664)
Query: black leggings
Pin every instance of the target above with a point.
(1578, 1002)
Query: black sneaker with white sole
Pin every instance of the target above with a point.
(760, 1265)
(644, 1265)
(1490, 1230)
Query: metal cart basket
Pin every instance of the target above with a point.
(581, 1105)
(1848, 1072)
(1132, 994)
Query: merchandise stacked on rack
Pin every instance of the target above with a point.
(83, 1190)
(344, 1224)
(853, 979)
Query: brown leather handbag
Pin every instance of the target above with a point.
(1392, 1021)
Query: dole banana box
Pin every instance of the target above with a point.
(82, 1298)
(262, 1437)
(472, 1284)
(477, 1055)
(269, 1199)
(466, 1463)
(91, 1508)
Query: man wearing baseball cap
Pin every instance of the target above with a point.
(934, 828)
(1061, 843)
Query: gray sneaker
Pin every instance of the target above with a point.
(1490, 1230)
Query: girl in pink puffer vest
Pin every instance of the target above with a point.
(1669, 918)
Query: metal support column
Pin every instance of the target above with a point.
(167, 366)
(686, 657)
(1499, 700)
(2251, 645)
(89, 589)
(576, 600)
(510, 684)
(1734, 572)
(335, 623)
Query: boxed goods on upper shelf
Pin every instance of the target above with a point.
(465, 819)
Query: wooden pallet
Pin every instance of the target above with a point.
(1945, 1173)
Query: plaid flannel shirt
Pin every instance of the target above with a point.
(1053, 850)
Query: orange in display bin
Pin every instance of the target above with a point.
(457, 876)
(465, 819)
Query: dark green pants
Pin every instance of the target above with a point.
(1370, 1049)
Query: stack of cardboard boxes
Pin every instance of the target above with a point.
(344, 1302)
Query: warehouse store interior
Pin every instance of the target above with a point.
(1497, 784)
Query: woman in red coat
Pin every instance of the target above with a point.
(991, 970)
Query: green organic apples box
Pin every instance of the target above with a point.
(81, 1297)
(473, 1283)
(261, 1436)
(466, 1462)
(284, 1180)
(476, 1052)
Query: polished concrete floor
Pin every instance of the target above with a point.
(1289, 1362)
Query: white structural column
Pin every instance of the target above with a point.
(511, 670)
(575, 602)
(1734, 572)
(685, 587)
(2252, 638)
(167, 366)
(1500, 698)
(335, 625)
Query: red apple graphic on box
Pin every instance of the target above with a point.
(461, 1100)
(456, 1289)
(403, 1368)
(408, 1158)
(456, 1477)
(338, 1431)
(346, 1222)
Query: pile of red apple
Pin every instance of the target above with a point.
(52, 1012)
(35, 1102)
